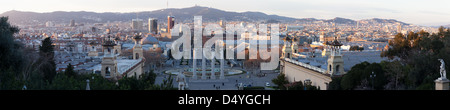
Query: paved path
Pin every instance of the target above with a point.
(228, 84)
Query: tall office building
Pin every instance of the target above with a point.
(72, 23)
(153, 25)
(170, 23)
(399, 28)
(137, 24)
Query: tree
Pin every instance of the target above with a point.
(97, 82)
(353, 77)
(64, 82)
(143, 82)
(335, 83)
(280, 81)
(11, 57)
(418, 65)
(356, 48)
(396, 75)
(48, 68)
(69, 71)
(9, 81)
(296, 86)
(167, 84)
(10, 51)
(149, 77)
(379, 81)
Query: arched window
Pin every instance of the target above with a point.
(288, 55)
(137, 55)
(108, 71)
(329, 68)
(116, 51)
(337, 68)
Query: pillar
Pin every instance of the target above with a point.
(222, 76)
(194, 66)
(213, 76)
(203, 67)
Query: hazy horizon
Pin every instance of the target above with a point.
(418, 12)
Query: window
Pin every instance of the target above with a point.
(137, 55)
(329, 68)
(337, 68)
(108, 71)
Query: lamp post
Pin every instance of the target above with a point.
(372, 76)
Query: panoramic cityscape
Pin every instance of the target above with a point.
(207, 45)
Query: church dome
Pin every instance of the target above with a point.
(150, 40)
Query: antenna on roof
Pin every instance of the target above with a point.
(137, 15)
(170, 13)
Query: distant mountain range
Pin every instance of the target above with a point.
(181, 14)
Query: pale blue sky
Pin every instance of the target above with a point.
(422, 12)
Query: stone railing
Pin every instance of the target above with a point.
(320, 70)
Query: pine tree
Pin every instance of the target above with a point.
(69, 71)
(48, 67)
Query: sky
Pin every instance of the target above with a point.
(419, 12)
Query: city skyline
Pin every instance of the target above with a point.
(430, 13)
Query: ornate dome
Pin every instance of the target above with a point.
(150, 40)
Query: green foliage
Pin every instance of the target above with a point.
(280, 81)
(10, 51)
(300, 86)
(356, 48)
(64, 82)
(48, 68)
(9, 81)
(167, 84)
(41, 74)
(296, 86)
(335, 83)
(427, 86)
(418, 65)
(353, 77)
(69, 71)
(254, 88)
(46, 48)
(144, 82)
(359, 76)
(96, 82)
(310, 87)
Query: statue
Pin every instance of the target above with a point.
(442, 71)
(181, 81)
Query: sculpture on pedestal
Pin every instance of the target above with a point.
(442, 71)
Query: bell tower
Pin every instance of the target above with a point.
(118, 47)
(335, 62)
(294, 46)
(137, 49)
(109, 62)
(287, 50)
(93, 49)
